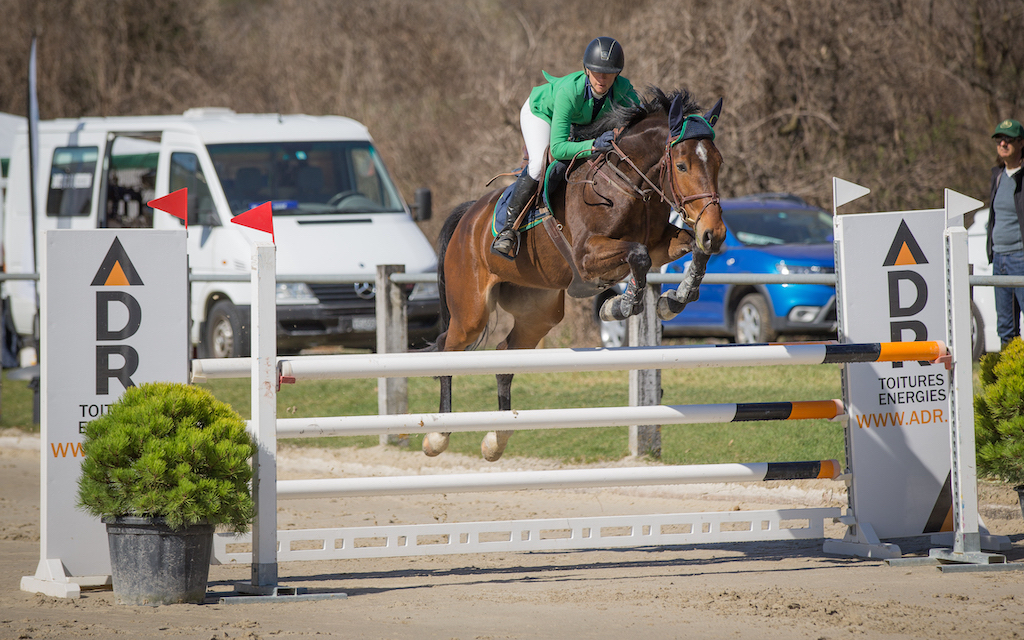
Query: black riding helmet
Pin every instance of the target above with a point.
(604, 55)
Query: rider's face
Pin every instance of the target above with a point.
(601, 82)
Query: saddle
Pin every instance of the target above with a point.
(551, 182)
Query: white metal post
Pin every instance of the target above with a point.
(963, 475)
(263, 425)
(644, 330)
(392, 337)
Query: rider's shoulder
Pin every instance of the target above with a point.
(566, 81)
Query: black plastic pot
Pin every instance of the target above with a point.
(152, 564)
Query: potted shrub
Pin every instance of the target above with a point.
(165, 465)
(999, 417)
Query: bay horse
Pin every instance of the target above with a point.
(613, 214)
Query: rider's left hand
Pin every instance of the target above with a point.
(604, 141)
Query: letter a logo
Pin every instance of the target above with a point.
(116, 270)
(904, 249)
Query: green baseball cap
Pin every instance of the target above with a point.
(1010, 128)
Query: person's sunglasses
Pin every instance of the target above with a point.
(1006, 139)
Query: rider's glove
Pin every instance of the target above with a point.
(604, 141)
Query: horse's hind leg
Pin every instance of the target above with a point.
(494, 442)
(536, 312)
(434, 443)
(466, 325)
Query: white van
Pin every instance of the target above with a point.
(336, 212)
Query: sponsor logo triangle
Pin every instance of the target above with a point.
(117, 269)
(904, 250)
(941, 517)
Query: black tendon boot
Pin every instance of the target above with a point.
(507, 239)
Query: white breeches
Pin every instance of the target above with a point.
(537, 135)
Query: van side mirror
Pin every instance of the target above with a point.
(421, 210)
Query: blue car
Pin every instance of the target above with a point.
(767, 233)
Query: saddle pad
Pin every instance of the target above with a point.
(533, 216)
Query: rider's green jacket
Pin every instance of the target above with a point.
(566, 101)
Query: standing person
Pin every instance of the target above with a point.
(547, 117)
(1006, 220)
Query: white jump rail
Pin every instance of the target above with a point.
(293, 369)
(556, 479)
(556, 418)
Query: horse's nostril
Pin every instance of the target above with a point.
(709, 239)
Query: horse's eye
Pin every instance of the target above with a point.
(681, 166)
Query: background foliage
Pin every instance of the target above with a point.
(999, 415)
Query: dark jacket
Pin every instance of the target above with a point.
(1018, 201)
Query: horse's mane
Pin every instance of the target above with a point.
(620, 116)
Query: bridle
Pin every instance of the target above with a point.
(664, 172)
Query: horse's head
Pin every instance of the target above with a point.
(692, 163)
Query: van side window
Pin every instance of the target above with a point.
(187, 173)
(71, 181)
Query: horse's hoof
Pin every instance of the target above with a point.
(669, 308)
(435, 443)
(493, 445)
(610, 310)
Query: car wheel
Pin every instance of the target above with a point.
(223, 336)
(753, 320)
(977, 333)
(613, 334)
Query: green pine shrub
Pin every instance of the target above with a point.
(999, 415)
(172, 451)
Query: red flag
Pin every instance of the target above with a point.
(175, 204)
(259, 218)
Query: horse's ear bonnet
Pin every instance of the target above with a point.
(687, 127)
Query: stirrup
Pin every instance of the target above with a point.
(508, 237)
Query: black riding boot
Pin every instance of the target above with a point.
(507, 239)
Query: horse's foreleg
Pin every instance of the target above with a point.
(631, 302)
(676, 245)
(494, 443)
(672, 302)
(435, 443)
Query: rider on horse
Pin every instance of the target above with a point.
(550, 112)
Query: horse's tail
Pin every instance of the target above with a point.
(447, 231)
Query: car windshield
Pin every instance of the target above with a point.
(305, 177)
(759, 227)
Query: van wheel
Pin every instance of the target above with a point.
(753, 321)
(223, 337)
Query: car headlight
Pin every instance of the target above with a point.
(295, 293)
(782, 267)
(424, 291)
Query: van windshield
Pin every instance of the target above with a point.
(305, 177)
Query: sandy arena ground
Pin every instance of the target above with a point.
(752, 590)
